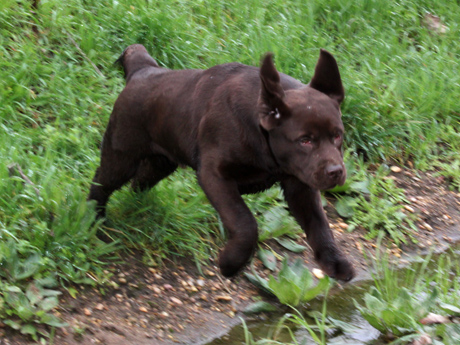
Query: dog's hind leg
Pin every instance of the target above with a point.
(151, 171)
(117, 167)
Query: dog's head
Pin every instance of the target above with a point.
(304, 125)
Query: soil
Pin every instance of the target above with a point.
(175, 304)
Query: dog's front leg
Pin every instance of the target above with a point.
(305, 205)
(236, 217)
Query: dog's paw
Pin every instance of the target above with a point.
(233, 258)
(335, 265)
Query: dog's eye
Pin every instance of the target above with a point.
(306, 141)
(337, 137)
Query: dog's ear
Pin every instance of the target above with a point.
(271, 94)
(327, 77)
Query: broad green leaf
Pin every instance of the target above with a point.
(450, 308)
(311, 293)
(13, 324)
(286, 272)
(374, 321)
(341, 189)
(13, 288)
(290, 245)
(267, 258)
(388, 316)
(360, 186)
(344, 206)
(21, 305)
(29, 267)
(72, 292)
(48, 292)
(52, 320)
(344, 326)
(374, 304)
(34, 294)
(258, 282)
(323, 200)
(285, 291)
(28, 329)
(298, 268)
(49, 303)
(260, 307)
(48, 281)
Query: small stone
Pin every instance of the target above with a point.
(176, 301)
(122, 280)
(200, 282)
(231, 313)
(395, 169)
(224, 298)
(87, 311)
(143, 309)
(428, 226)
(209, 273)
(168, 287)
(408, 208)
(318, 273)
(343, 225)
(99, 306)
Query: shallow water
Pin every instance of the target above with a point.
(340, 306)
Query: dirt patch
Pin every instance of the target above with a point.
(178, 305)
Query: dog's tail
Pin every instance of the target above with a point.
(134, 58)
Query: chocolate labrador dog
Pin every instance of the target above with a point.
(242, 129)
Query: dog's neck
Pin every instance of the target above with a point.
(267, 139)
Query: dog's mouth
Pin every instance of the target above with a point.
(323, 181)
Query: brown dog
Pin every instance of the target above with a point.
(242, 129)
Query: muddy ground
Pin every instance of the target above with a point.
(175, 304)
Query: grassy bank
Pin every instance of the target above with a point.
(58, 84)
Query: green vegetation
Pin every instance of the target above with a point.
(58, 84)
(372, 200)
(403, 304)
(294, 284)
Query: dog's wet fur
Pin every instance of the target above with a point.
(242, 129)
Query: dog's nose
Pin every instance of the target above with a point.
(334, 171)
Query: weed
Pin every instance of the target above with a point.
(294, 284)
(382, 210)
(451, 171)
(400, 299)
(373, 201)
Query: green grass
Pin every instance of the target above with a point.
(394, 302)
(401, 79)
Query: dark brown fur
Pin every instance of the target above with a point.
(242, 129)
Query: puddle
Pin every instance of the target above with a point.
(340, 306)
